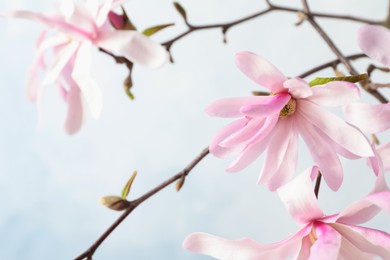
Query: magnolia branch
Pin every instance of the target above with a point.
(135, 203)
(337, 52)
(309, 16)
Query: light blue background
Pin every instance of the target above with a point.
(50, 183)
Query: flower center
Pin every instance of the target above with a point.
(288, 109)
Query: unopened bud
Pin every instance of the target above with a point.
(180, 183)
(114, 202)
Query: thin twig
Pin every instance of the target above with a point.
(135, 203)
(332, 64)
(337, 52)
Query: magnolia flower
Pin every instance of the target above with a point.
(371, 119)
(71, 35)
(321, 237)
(374, 41)
(273, 123)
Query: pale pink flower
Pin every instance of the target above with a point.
(71, 36)
(273, 123)
(374, 41)
(371, 119)
(321, 237)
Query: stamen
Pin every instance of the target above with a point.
(288, 109)
(312, 236)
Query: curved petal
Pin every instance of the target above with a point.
(384, 154)
(248, 155)
(221, 248)
(369, 118)
(53, 22)
(272, 106)
(286, 170)
(246, 133)
(230, 107)
(102, 14)
(323, 154)
(65, 54)
(365, 209)
(261, 71)
(349, 251)
(224, 133)
(328, 243)
(298, 88)
(299, 199)
(340, 132)
(245, 248)
(74, 117)
(368, 240)
(279, 164)
(374, 41)
(275, 153)
(133, 45)
(86, 83)
(335, 93)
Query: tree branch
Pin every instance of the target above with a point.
(135, 203)
(337, 52)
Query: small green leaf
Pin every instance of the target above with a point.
(353, 79)
(126, 189)
(181, 10)
(152, 30)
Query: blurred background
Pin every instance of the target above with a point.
(50, 183)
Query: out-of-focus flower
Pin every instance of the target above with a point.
(71, 36)
(273, 123)
(374, 41)
(322, 237)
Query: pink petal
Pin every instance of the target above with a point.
(323, 154)
(279, 165)
(224, 133)
(133, 45)
(261, 71)
(245, 248)
(374, 41)
(74, 118)
(299, 199)
(246, 133)
(369, 118)
(335, 93)
(272, 106)
(102, 14)
(32, 84)
(230, 107)
(337, 130)
(55, 22)
(365, 209)
(86, 83)
(384, 153)
(202, 243)
(298, 88)
(280, 139)
(328, 243)
(62, 58)
(255, 146)
(248, 155)
(368, 240)
(286, 170)
(304, 252)
(349, 251)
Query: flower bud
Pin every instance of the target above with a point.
(114, 202)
